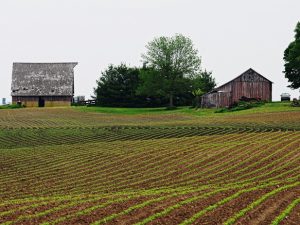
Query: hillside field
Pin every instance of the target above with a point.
(88, 165)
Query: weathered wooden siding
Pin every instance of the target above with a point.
(260, 90)
(50, 101)
(251, 85)
(30, 101)
(217, 99)
(226, 87)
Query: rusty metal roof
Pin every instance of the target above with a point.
(43, 79)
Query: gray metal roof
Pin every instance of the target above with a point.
(43, 79)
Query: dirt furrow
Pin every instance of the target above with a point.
(266, 212)
(293, 218)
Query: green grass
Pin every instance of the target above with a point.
(10, 106)
(125, 111)
(268, 107)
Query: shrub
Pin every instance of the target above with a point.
(14, 106)
(242, 105)
(295, 103)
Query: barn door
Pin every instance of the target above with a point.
(41, 102)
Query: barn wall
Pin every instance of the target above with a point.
(30, 101)
(226, 87)
(251, 85)
(216, 100)
(222, 98)
(57, 103)
(50, 101)
(261, 90)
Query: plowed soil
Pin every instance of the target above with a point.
(71, 166)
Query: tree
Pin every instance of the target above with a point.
(155, 87)
(174, 58)
(201, 84)
(197, 93)
(117, 86)
(204, 81)
(292, 60)
(151, 83)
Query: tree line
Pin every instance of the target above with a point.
(171, 75)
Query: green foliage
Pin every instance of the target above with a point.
(295, 103)
(173, 74)
(175, 59)
(152, 85)
(203, 81)
(241, 105)
(156, 88)
(117, 86)
(197, 92)
(292, 60)
(122, 86)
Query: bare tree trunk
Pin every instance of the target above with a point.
(171, 100)
(197, 102)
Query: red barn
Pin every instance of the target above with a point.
(249, 84)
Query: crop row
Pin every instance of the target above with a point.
(63, 166)
(89, 209)
(36, 137)
(148, 164)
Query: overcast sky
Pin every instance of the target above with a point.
(231, 35)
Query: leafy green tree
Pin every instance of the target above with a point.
(201, 84)
(292, 60)
(153, 85)
(198, 93)
(175, 59)
(204, 81)
(117, 86)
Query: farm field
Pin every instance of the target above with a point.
(111, 166)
